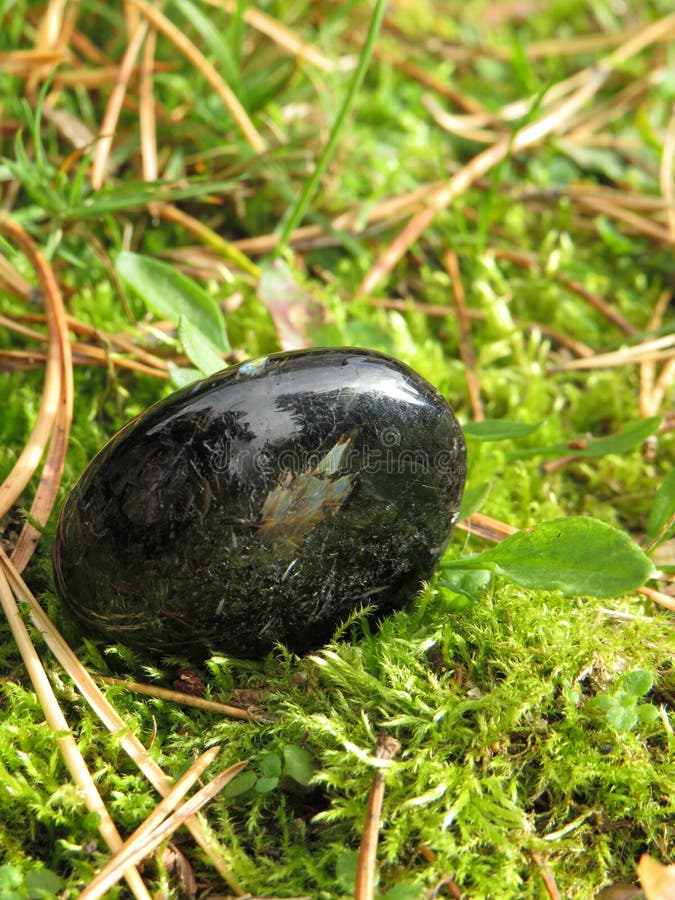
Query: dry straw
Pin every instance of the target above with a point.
(111, 718)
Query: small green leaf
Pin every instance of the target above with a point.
(403, 891)
(637, 683)
(42, 883)
(473, 499)
(266, 785)
(498, 430)
(270, 765)
(469, 582)
(170, 294)
(663, 508)
(299, 764)
(345, 869)
(632, 435)
(181, 376)
(624, 699)
(124, 196)
(198, 347)
(604, 702)
(240, 785)
(647, 712)
(578, 555)
(617, 241)
(10, 877)
(622, 718)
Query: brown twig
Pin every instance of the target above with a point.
(65, 740)
(527, 261)
(111, 116)
(18, 328)
(640, 224)
(486, 527)
(146, 109)
(546, 876)
(480, 165)
(86, 48)
(461, 125)
(622, 198)
(56, 407)
(193, 226)
(24, 62)
(33, 450)
(364, 888)
(150, 690)
(122, 342)
(13, 281)
(169, 803)
(281, 35)
(650, 401)
(667, 172)
(663, 381)
(557, 119)
(83, 355)
(654, 349)
(447, 884)
(185, 46)
(111, 718)
(140, 845)
(464, 329)
(658, 597)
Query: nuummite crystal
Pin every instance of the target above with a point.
(264, 504)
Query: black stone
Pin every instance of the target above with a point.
(264, 504)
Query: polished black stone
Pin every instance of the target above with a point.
(264, 504)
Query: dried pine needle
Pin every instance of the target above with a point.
(65, 740)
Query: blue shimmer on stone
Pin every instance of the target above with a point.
(253, 366)
(263, 505)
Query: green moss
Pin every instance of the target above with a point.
(505, 750)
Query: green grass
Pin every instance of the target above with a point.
(505, 751)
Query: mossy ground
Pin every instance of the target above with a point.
(505, 758)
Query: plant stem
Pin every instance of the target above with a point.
(297, 212)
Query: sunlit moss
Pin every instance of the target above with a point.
(502, 751)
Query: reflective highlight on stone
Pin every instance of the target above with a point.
(262, 505)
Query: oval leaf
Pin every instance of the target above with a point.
(663, 509)
(471, 583)
(631, 436)
(299, 764)
(170, 294)
(181, 376)
(267, 784)
(637, 683)
(473, 499)
(270, 765)
(240, 785)
(622, 718)
(647, 713)
(578, 555)
(199, 348)
(498, 430)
